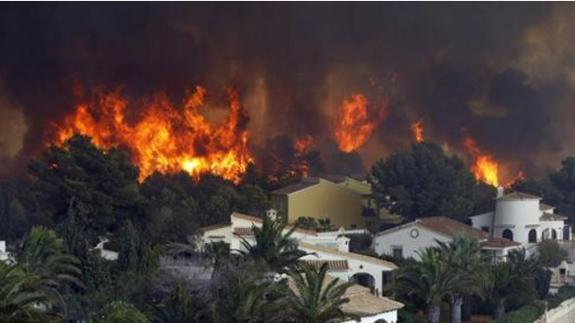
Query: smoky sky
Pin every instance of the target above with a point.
(460, 68)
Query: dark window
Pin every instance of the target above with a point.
(507, 234)
(566, 233)
(397, 251)
(486, 229)
(532, 236)
(553, 234)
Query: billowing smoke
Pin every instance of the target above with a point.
(502, 73)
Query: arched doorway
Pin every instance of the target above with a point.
(532, 236)
(566, 233)
(553, 234)
(364, 279)
(545, 234)
(507, 234)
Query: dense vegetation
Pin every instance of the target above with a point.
(73, 196)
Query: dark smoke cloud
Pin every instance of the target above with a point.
(454, 66)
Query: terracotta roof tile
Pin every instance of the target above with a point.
(500, 243)
(353, 255)
(243, 231)
(518, 196)
(552, 217)
(451, 228)
(214, 226)
(332, 265)
(305, 183)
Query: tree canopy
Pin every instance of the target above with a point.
(425, 181)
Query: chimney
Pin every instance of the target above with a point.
(272, 214)
(500, 191)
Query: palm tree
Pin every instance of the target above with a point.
(244, 293)
(430, 279)
(315, 298)
(19, 300)
(506, 280)
(463, 256)
(43, 255)
(272, 246)
(178, 307)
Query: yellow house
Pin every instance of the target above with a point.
(320, 198)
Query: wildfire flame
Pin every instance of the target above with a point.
(417, 130)
(354, 125)
(485, 167)
(303, 145)
(166, 138)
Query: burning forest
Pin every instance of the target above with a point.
(341, 105)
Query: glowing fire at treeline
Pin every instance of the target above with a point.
(485, 167)
(355, 125)
(166, 138)
(169, 138)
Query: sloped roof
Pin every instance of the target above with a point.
(304, 183)
(259, 220)
(332, 265)
(500, 243)
(214, 227)
(450, 227)
(518, 196)
(352, 255)
(552, 217)
(361, 301)
(545, 207)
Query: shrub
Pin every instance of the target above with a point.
(526, 314)
(121, 312)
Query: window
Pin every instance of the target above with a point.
(485, 229)
(532, 238)
(553, 234)
(507, 234)
(397, 251)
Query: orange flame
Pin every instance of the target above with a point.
(485, 167)
(166, 139)
(354, 125)
(303, 145)
(417, 130)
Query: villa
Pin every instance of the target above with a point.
(346, 201)
(323, 247)
(406, 240)
(521, 217)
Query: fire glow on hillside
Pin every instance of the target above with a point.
(166, 138)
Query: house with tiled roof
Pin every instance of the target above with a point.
(323, 247)
(341, 199)
(522, 218)
(407, 239)
(362, 303)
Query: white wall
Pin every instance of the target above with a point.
(390, 317)
(383, 244)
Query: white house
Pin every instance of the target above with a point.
(331, 247)
(521, 217)
(105, 252)
(405, 240)
(4, 255)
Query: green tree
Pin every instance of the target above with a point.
(121, 312)
(430, 279)
(243, 292)
(315, 298)
(179, 307)
(550, 253)
(19, 299)
(272, 246)
(424, 181)
(103, 182)
(463, 256)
